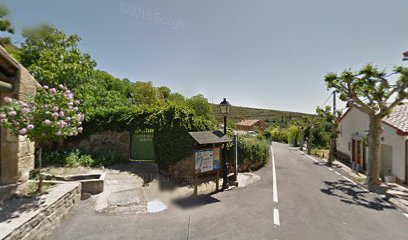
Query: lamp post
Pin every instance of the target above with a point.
(225, 107)
(405, 56)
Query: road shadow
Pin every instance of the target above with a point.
(352, 194)
(195, 201)
(148, 171)
(15, 206)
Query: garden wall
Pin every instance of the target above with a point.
(108, 142)
(54, 206)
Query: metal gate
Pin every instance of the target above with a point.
(142, 145)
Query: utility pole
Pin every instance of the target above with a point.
(333, 134)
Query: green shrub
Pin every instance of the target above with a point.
(252, 151)
(75, 158)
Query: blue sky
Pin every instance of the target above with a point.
(260, 53)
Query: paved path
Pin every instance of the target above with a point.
(309, 202)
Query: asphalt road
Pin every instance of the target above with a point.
(308, 201)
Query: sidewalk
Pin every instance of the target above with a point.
(395, 193)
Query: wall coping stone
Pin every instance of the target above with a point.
(55, 194)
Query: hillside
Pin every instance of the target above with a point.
(270, 116)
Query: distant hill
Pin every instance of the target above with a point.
(270, 116)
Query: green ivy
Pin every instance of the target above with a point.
(171, 124)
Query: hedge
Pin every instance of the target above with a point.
(171, 125)
(252, 152)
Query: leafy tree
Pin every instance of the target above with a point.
(176, 97)
(293, 135)
(5, 25)
(302, 124)
(370, 90)
(231, 124)
(201, 106)
(164, 92)
(52, 116)
(53, 57)
(326, 114)
(145, 93)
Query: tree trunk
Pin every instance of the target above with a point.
(301, 140)
(309, 141)
(330, 159)
(374, 144)
(332, 148)
(39, 170)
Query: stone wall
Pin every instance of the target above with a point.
(109, 142)
(35, 225)
(183, 170)
(17, 153)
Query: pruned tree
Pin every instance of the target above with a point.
(375, 93)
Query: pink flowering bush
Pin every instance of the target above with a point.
(51, 116)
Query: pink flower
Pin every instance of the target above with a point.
(59, 133)
(62, 113)
(47, 122)
(30, 126)
(55, 109)
(13, 113)
(68, 119)
(61, 86)
(25, 110)
(3, 115)
(23, 131)
(62, 124)
(70, 104)
(53, 91)
(75, 109)
(45, 87)
(77, 102)
(8, 99)
(15, 123)
(80, 117)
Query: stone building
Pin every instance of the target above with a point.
(16, 153)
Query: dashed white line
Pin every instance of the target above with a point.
(331, 169)
(274, 184)
(337, 173)
(276, 220)
(405, 214)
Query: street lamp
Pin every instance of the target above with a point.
(225, 107)
(405, 56)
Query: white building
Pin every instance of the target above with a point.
(353, 128)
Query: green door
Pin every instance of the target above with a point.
(141, 145)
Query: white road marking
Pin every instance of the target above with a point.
(311, 158)
(274, 184)
(276, 220)
(331, 169)
(337, 173)
(405, 214)
(348, 179)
